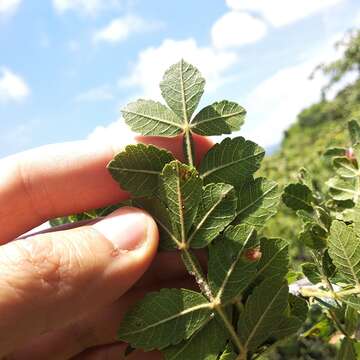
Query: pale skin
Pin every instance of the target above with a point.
(63, 293)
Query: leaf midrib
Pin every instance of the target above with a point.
(262, 317)
(257, 200)
(142, 171)
(206, 216)
(232, 267)
(209, 172)
(175, 316)
(151, 117)
(225, 116)
(352, 270)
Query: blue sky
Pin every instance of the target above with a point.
(67, 66)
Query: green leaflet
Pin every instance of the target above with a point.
(257, 202)
(165, 318)
(305, 178)
(228, 354)
(168, 239)
(148, 117)
(138, 167)
(204, 345)
(287, 326)
(344, 249)
(230, 271)
(311, 272)
(180, 190)
(328, 265)
(182, 88)
(343, 189)
(353, 301)
(352, 320)
(274, 258)
(298, 197)
(347, 350)
(313, 235)
(222, 117)
(262, 311)
(216, 211)
(354, 132)
(231, 162)
(298, 307)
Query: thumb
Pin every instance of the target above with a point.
(49, 280)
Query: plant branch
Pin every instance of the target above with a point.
(338, 324)
(188, 147)
(193, 266)
(231, 330)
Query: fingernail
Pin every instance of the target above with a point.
(126, 228)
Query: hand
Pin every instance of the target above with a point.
(63, 293)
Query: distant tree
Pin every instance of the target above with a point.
(348, 62)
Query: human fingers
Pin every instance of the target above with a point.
(61, 179)
(47, 281)
(95, 330)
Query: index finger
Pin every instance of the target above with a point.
(61, 179)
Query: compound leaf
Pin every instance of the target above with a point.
(216, 211)
(231, 162)
(180, 190)
(344, 249)
(164, 318)
(222, 117)
(230, 270)
(204, 345)
(149, 117)
(257, 202)
(182, 88)
(262, 311)
(138, 167)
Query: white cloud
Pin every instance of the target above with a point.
(236, 29)
(282, 12)
(275, 103)
(87, 7)
(100, 93)
(117, 133)
(153, 61)
(12, 86)
(121, 28)
(8, 7)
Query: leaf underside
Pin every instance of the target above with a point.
(164, 318)
(198, 347)
(344, 249)
(216, 211)
(222, 117)
(262, 311)
(180, 190)
(257, 202)
(148, 117)
(182, 88)
(231, 162)
(137, 169)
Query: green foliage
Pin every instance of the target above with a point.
(220, 206)
(331, 231)
(243, 302)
